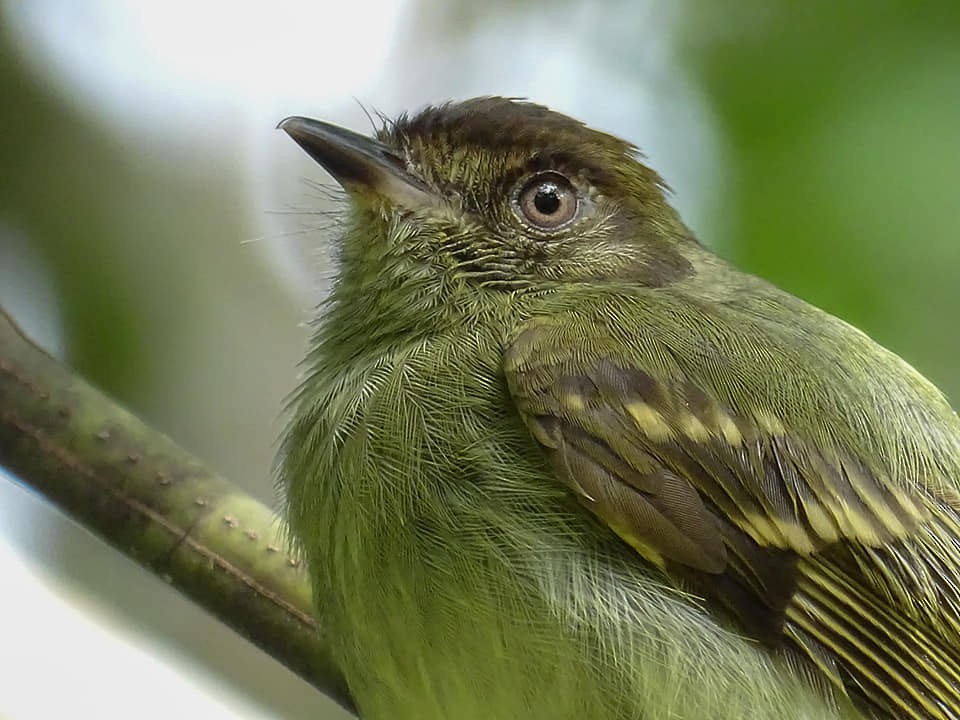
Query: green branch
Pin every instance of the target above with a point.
(160, 506)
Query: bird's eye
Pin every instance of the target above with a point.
(548, 201)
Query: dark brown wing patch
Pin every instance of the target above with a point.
(777, 488)
(663, 517)
(677, 525)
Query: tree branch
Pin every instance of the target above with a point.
(160, 506)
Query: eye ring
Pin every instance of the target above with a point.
(548, 201)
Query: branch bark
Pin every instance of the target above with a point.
(159, 505)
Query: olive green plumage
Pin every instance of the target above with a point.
(552, 459)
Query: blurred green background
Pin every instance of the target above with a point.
(158, 234)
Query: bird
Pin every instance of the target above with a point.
(550, 457)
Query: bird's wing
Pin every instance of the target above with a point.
(802, 545)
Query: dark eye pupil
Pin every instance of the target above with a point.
(547, 199)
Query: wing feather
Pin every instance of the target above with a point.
(806, 546)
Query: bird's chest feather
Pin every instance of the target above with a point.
(417, 571)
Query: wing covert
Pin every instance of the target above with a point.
(801, 543)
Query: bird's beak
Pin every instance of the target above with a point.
(359, 163)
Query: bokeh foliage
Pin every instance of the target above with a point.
(842, 129)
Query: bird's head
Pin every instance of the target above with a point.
(500, 194)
